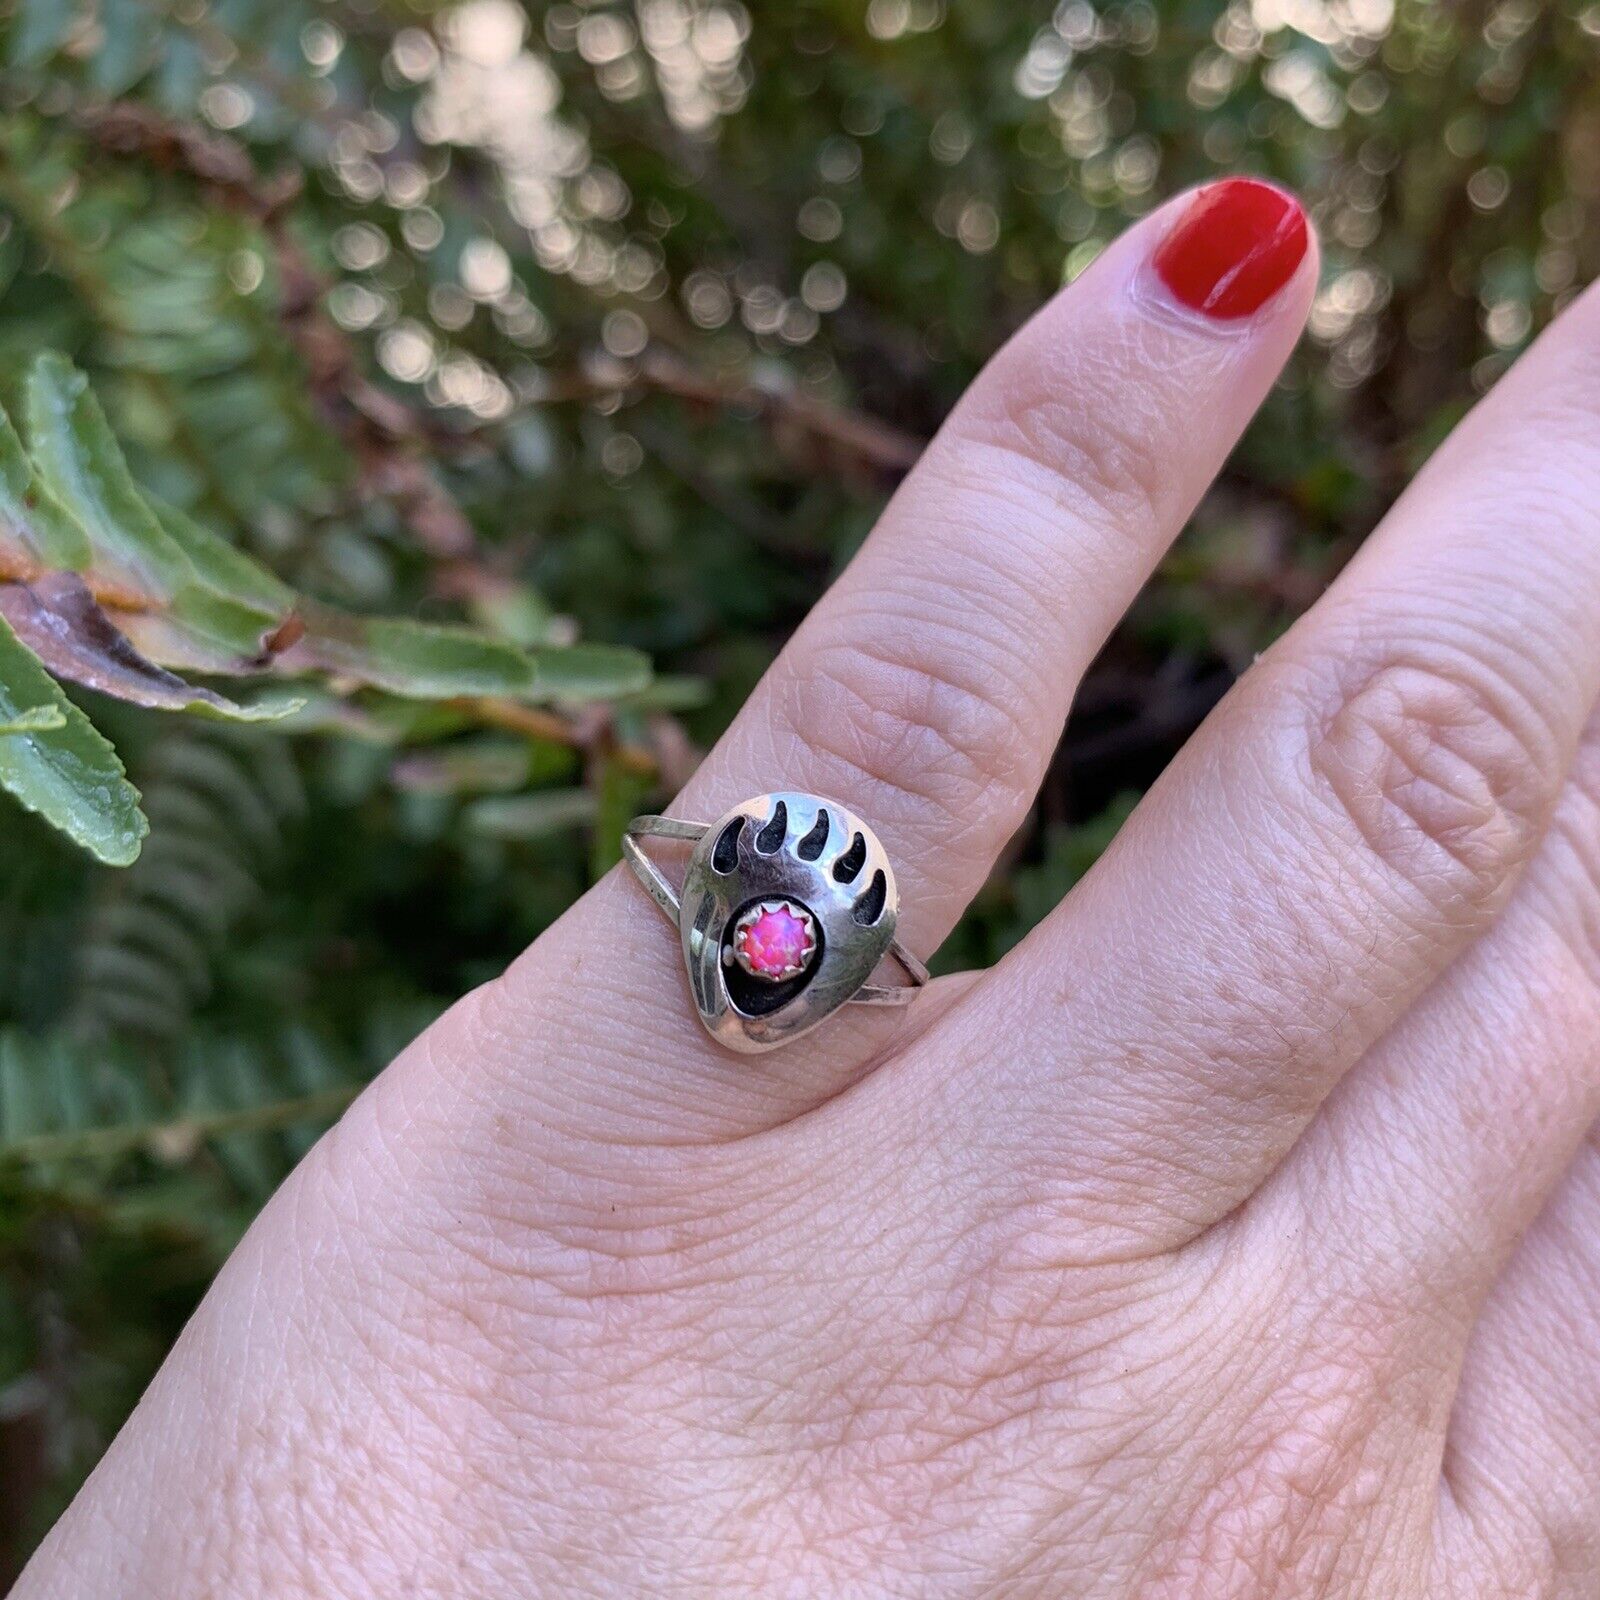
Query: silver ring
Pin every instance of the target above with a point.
(788, 905)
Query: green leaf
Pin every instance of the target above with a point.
(419, 660)
(220, 566)
(197, 603)
(31, 518)
(671, 693)
(431, 661)
(130, 32)
(208, 590)
(41, 719)
(588, 671)
(229, 630)
(79, 460)
(189, 643)
(69, 775)
(40, 29)
(531, 816)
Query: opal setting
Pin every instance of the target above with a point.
(774, 940)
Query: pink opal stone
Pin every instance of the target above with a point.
(775, 943)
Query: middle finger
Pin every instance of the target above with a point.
(1351, 817)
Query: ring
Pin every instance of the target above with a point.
(788, 906)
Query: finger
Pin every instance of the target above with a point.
(1355, 813)
(1521, 1512)
(1444, 1143)
(928, 688)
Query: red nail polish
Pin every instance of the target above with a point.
(1234, 248)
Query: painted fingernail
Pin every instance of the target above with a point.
(1233, 249)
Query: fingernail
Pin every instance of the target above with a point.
(1233, 249)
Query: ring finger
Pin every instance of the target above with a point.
(928, 688)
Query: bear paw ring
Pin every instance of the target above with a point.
(787, 907)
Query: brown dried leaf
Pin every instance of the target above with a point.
(60, 621)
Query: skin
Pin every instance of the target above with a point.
(1237, 1236)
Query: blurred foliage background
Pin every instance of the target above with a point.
(617, 320)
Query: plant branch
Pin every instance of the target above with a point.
(387, 440)
(179, 1136)
(850, 433)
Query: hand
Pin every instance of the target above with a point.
(1235, 1237)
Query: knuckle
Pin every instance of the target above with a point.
(1028, 430)
(1447, 771)
(917, 716)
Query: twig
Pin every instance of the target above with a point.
(220, 163)
(866, 439)
(384, 434)
(179, 1136)
(583, 730)
(580, 732)
(385, 437)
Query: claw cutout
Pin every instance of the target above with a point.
(848, 867)
(869, 907)
(725, 854)
(771, 836)
(814, 842)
